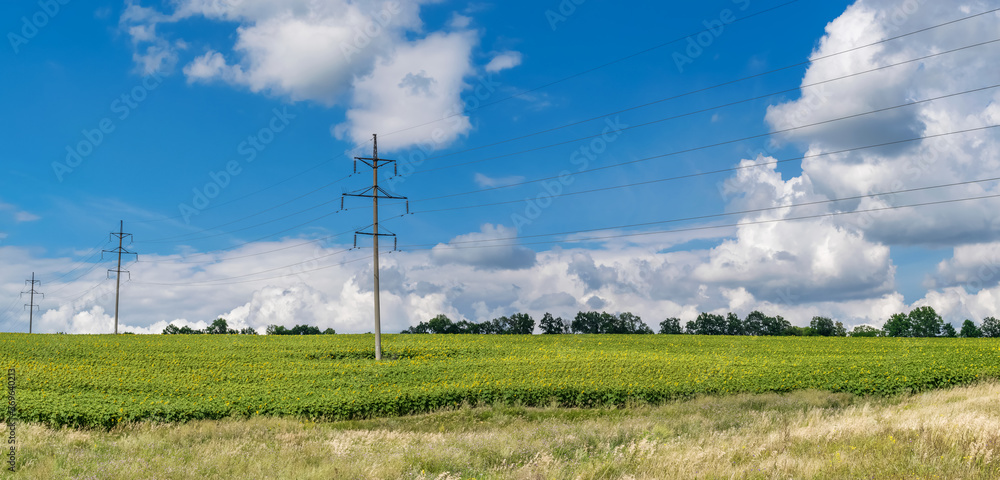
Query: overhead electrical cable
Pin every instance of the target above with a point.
(713, 172)
(743, 212)
(709, 227)
(718, 144)
(161, 240)
(368, 257)
(309, 242)
(932, 27)
(694, 112)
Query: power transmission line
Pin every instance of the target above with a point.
(636, 161)
(711, 172)
(317, 240)
(224, 281)
(691, 229)
(189, 284)
(164, 239)
(744, 212)
(932, 27)
(31, 293)
(703, 110)
(118, 270)
(593, 69)
(227, 202)
(718, 144)
(243, 228)
(375, 192)
(814, 59)
(215, 281)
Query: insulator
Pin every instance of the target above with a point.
(355, 240)
(407, 207)
(341, 202)
(395, 243)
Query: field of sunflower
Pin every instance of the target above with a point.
(101, 380)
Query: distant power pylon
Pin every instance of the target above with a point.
(118, 271)
(375, 192)
(31, 293)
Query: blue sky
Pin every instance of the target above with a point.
(221, 133)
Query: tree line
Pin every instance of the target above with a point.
(221, 327)
(925, 322)
(920, 322)
(523, 324)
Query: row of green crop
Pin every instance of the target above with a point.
(106, 380)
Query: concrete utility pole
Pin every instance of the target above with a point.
(118, 271)
(31, 293)
(375, 192)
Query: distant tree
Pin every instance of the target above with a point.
(866, 331)
(990, 327)
(553, 325)
(418, 328)
(441, 324)
(628, 323)
(671, 326)
(586, 322)
(466, 327)
(793, 331)
(172, 329)
(329, 331)
(296, 330)
(969, 330)
(898, 325)
(304, 330)
(220, 327)
(248, 331)
(607, 323)
(754, 323)
(774, 326)
(823, 326)
(275, 330)
(925, 322)
(948, 330)
(734, 326)
(708, 324)
(497, 326)
(520, 324)
(839, 330)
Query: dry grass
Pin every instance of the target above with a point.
(943, 434)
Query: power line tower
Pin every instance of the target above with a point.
(375, 192)
(31, 293)
(118, 271)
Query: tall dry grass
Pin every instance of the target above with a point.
(942, 434)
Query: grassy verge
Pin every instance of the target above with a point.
(953, 433)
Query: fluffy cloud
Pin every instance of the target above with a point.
(485, 181)
(504, 61)
(973, 266)
(373, 57)
(502, 256)
(419, 83)
(18, 214)
(838, 266)
(958, 158)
